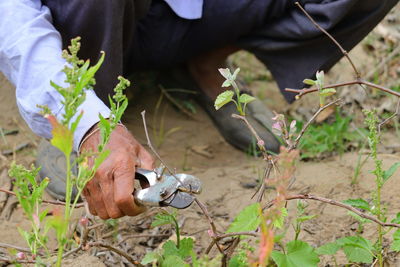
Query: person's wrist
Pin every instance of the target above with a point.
(93, 131)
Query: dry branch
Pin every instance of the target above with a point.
(304, 91)
(60, 203)
(344, 52)
(339, 204)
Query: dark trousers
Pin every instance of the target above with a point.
(274, 30)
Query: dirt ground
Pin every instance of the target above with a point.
(229, 176)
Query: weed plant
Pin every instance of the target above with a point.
(80, 78)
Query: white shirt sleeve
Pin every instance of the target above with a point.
(30, 56)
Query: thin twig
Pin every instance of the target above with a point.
(60, 203)
(4, 245)
(252, 233)
(254, 133)
(383, 63)
(116, 250)
(175, 103)
(142, 235)
(143, 113)
(297, 140)
(17, 261)
(339, 204)
(264, 182)
(396, 113)
(212, 224)
(344, 52)
(72, 251)
(304, 91)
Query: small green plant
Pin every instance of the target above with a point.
(321, 140)
(80, 78)
(159, 131)
(320, 84)
(228, 96)
(301, 218)
(171, 253)
(360, 163)
(29, 194)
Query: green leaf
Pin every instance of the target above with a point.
(223, 98)
(320, 78)
(226, 83)
(235, 73)
(226, 73)
(100, 158)
(389, 173)
(151, 257)
(185, 247)
(163, 218)
(357, 249)
(298, 253)
(174, 261)
(309, 81)
(169, 248)
(328, 249)
(245, 98)
(327, 92)
(62, 137)
(397, 219)
(237, 261)
(247, 220)
(358, 203)
(305, 218)
(396, 241)
(278, 222)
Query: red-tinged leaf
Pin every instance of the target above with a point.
(62, 137)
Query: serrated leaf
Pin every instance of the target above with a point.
(62, 137)
(169, 248)
(309, 82)
(163, 219)
(358, 203)
(298, 253)
(185, 247)
(174, 261)
(389, 173)
(151, 257)
(278, 223)
(328, 249)
(396, 241)
(327, 92)
(357, 249)
(222, 99)
(247, 220)
(245, 98)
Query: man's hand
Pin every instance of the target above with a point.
(110, 192)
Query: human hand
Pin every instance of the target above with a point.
(110, 192)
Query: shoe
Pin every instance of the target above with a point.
(52, 163)
(234, 131)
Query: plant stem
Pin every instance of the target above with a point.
(59, 255)
(237, 91)
(178, 235)
(68, 191)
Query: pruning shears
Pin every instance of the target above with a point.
(175, 190)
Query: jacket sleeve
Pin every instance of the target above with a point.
(30, 57)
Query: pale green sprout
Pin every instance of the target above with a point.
(228, 96)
